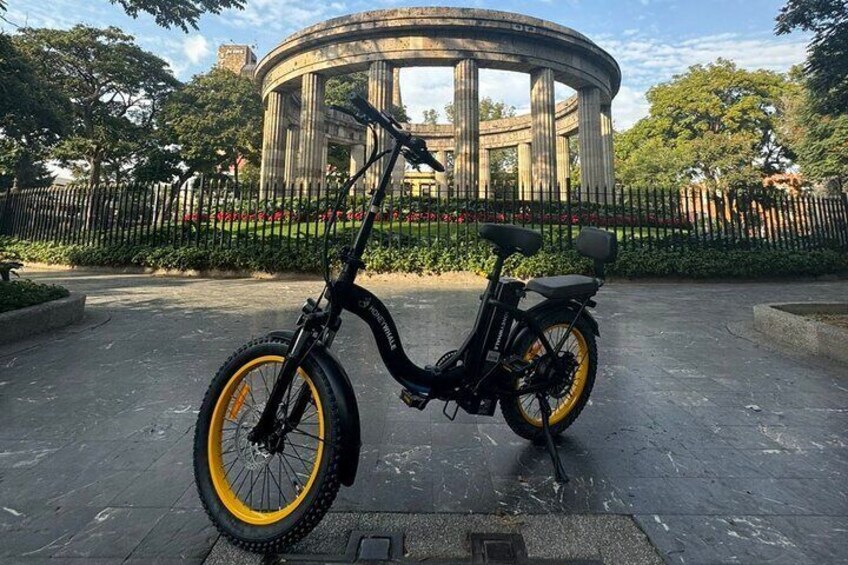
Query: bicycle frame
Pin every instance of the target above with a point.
(451, 381)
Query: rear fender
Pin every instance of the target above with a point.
(348, 408)
(549, 305)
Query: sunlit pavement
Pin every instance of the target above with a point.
(720, 448)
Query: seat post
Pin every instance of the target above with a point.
(500, 257)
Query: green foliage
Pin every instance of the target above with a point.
(489, 110)
(114, 86)
(32, 116)
(827, 63)
(443, 256)
(24, 293)
(430, 117)
(340, 89)
(173, 13)
(177, 13)
(214, 119)
(715, 124)
(819, 141)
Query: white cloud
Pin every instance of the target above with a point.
(646, 61)
(283, 15)
(196, 48)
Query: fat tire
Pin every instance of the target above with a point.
(510, 406)
(275, 537)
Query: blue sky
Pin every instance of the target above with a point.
(651, 39)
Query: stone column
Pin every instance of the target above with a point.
(591, 143)
(313, 137)
(485, 175)
(525, 171)
(441, 178)
(466, 108)
(543, 120)
(397, 102)
(292, 156)
(563, 164)
(273, 144)
(608, 151)
(357, 160)
(380, 89)
(397, 99)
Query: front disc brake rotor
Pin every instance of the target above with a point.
(254, 456)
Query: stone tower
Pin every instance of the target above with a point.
(239, 59)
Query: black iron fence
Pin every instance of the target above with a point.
(225, 215)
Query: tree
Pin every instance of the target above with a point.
(820, 141)
(173, 13)
(644, 159)
(339, 90)
(489, 110)
(214, 121)
(431, 117)
(115, 89)
(32, 116)
(827, 62)
(715, 124)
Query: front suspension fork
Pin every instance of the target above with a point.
(298, 350)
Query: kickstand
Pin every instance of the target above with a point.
(559, 471)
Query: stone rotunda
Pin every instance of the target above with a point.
(299, 127)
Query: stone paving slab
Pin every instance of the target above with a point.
(721, 449)
(445, 538)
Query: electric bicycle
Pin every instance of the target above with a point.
(278, 431)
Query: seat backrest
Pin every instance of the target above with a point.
(597, 244)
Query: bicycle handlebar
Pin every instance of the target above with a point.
(416, 148)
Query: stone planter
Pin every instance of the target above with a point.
(26, 322)
(789, 325)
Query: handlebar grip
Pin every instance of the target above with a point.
(373, 114)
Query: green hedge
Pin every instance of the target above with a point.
(637, 263)
(22, 293)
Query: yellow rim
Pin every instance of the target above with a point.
(575, 343)
(228, 409)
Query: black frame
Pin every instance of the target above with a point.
(460, 378)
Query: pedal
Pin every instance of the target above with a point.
(413, 400)
(515, 365)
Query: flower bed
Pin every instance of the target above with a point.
(23, 293)
(453, 217)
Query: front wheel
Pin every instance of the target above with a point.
(573, 387)
(261, 499)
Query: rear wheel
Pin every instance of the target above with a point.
(265, 498)
(572, 387)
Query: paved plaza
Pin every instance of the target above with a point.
(714, 445)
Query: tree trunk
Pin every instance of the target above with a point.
(95, 166)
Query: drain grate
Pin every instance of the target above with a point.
(497, 549)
